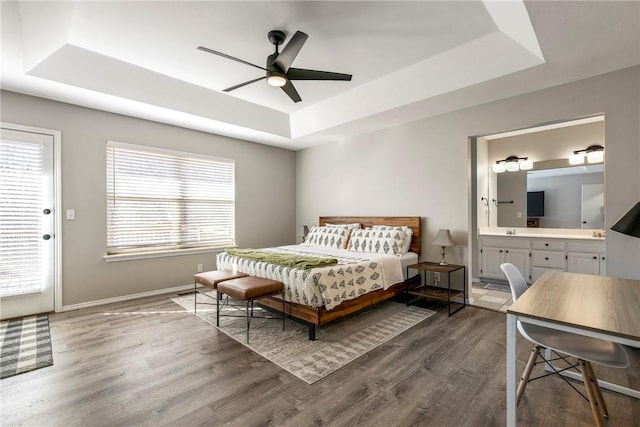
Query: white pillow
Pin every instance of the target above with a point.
(408, 234)
(327, 237)
(352, 226)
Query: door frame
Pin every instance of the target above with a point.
(57, 204)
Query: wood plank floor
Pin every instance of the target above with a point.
(146, 362)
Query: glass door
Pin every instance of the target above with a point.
(27, 249)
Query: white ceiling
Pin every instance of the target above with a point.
(409, 60)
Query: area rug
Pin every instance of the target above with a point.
(337, 344)
(25, 345)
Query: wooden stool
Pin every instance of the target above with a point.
(210, 279)
(249, 289)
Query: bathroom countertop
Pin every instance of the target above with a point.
(544, 236)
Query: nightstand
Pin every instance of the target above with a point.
(433, 292)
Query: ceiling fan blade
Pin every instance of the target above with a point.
(290, 90)
(302, 74)
(290, 51)
(229, 89)
(224, 55)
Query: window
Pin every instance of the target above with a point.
(165, 200)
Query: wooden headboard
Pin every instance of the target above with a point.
(412, 222)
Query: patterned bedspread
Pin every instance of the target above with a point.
(354, 275)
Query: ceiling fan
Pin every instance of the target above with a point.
(279, 72)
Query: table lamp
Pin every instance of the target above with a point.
(443, 239)
(629, 224)
(305, 231)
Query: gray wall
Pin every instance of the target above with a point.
(512, 187)
(423, 168)
(265, 195)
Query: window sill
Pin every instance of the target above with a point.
(161, 254)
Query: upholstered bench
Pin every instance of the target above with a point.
(249, 289)
(210, 280)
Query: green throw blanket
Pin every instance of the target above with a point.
(287, 260)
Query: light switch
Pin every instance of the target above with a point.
(519, 215)
(71, 214)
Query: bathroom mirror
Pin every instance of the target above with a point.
(552, 197)
(554, 186)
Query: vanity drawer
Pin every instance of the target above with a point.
(552, 259)
(550, 245)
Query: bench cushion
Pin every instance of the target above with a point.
(250, 287)
(210, 279)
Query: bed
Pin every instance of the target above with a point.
(362, 276)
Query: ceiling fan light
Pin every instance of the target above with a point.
(277, 80)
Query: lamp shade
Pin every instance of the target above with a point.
(576, 159)
(512, 166)
(595, 156)
(630, 222)
(526, 165)
(443, 238)
(499, 168)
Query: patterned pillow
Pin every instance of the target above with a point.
(327, 237)
(376, 241)
(359, 240)
(350, 227)
(408, 234)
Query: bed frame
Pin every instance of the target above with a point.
(317, 316)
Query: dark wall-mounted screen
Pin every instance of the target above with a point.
(535, 203)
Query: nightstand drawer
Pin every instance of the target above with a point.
(552, 259)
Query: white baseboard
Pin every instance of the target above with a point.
(126, 297)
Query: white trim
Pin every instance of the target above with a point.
(162, 254)
(57, 203)
(126, 297)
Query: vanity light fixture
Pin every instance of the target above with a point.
(594, 154)
(512, 164)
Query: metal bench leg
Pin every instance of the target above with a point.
(219, 295)
(249, 303)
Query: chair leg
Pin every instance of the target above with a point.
(591, 394)
(527, 372)
(596, 387)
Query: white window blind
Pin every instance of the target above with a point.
(166, 200)
(20, 217)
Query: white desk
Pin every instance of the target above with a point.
(596, 306)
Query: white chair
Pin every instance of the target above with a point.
(586, 349)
